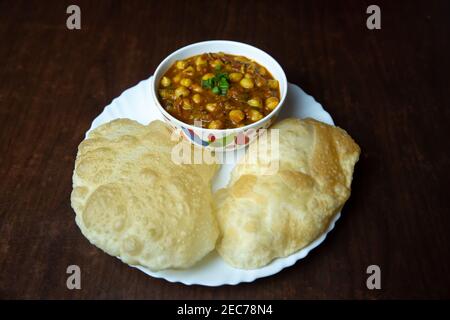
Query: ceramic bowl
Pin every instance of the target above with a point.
(221, 139)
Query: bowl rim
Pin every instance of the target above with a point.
(258, 123)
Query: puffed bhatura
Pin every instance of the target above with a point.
(265, 216)
(132, 201)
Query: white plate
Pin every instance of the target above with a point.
(136, 103)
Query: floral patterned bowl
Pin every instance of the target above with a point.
(221, 139)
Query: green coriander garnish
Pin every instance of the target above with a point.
(218, 84)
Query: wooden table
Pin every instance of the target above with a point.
(388, 88)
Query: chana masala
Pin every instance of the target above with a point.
(218, 91)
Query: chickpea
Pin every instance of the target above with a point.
(165, 82)
(217, 64)
(262, 71)
(215, 124)
(272, 102)
(273, 84)
(255, 102)
(208, 76)
(260, 81)
(197, 88)
(235, 76)
(186, 82)
(211, 107)
(255, 115)
(200, 61)
(181, 92)
(197, 98)
(189, 71)
(181, 64)
(165, 93)
(246, 83)
(176, 79)
(187, 105)
(248, 76)
(251, 67)
(236, 115)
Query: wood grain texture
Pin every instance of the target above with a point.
(388, 88)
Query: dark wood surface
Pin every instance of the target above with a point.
(388, 88)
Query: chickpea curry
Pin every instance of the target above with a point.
(218, 90)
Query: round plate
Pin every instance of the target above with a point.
(136, 103)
